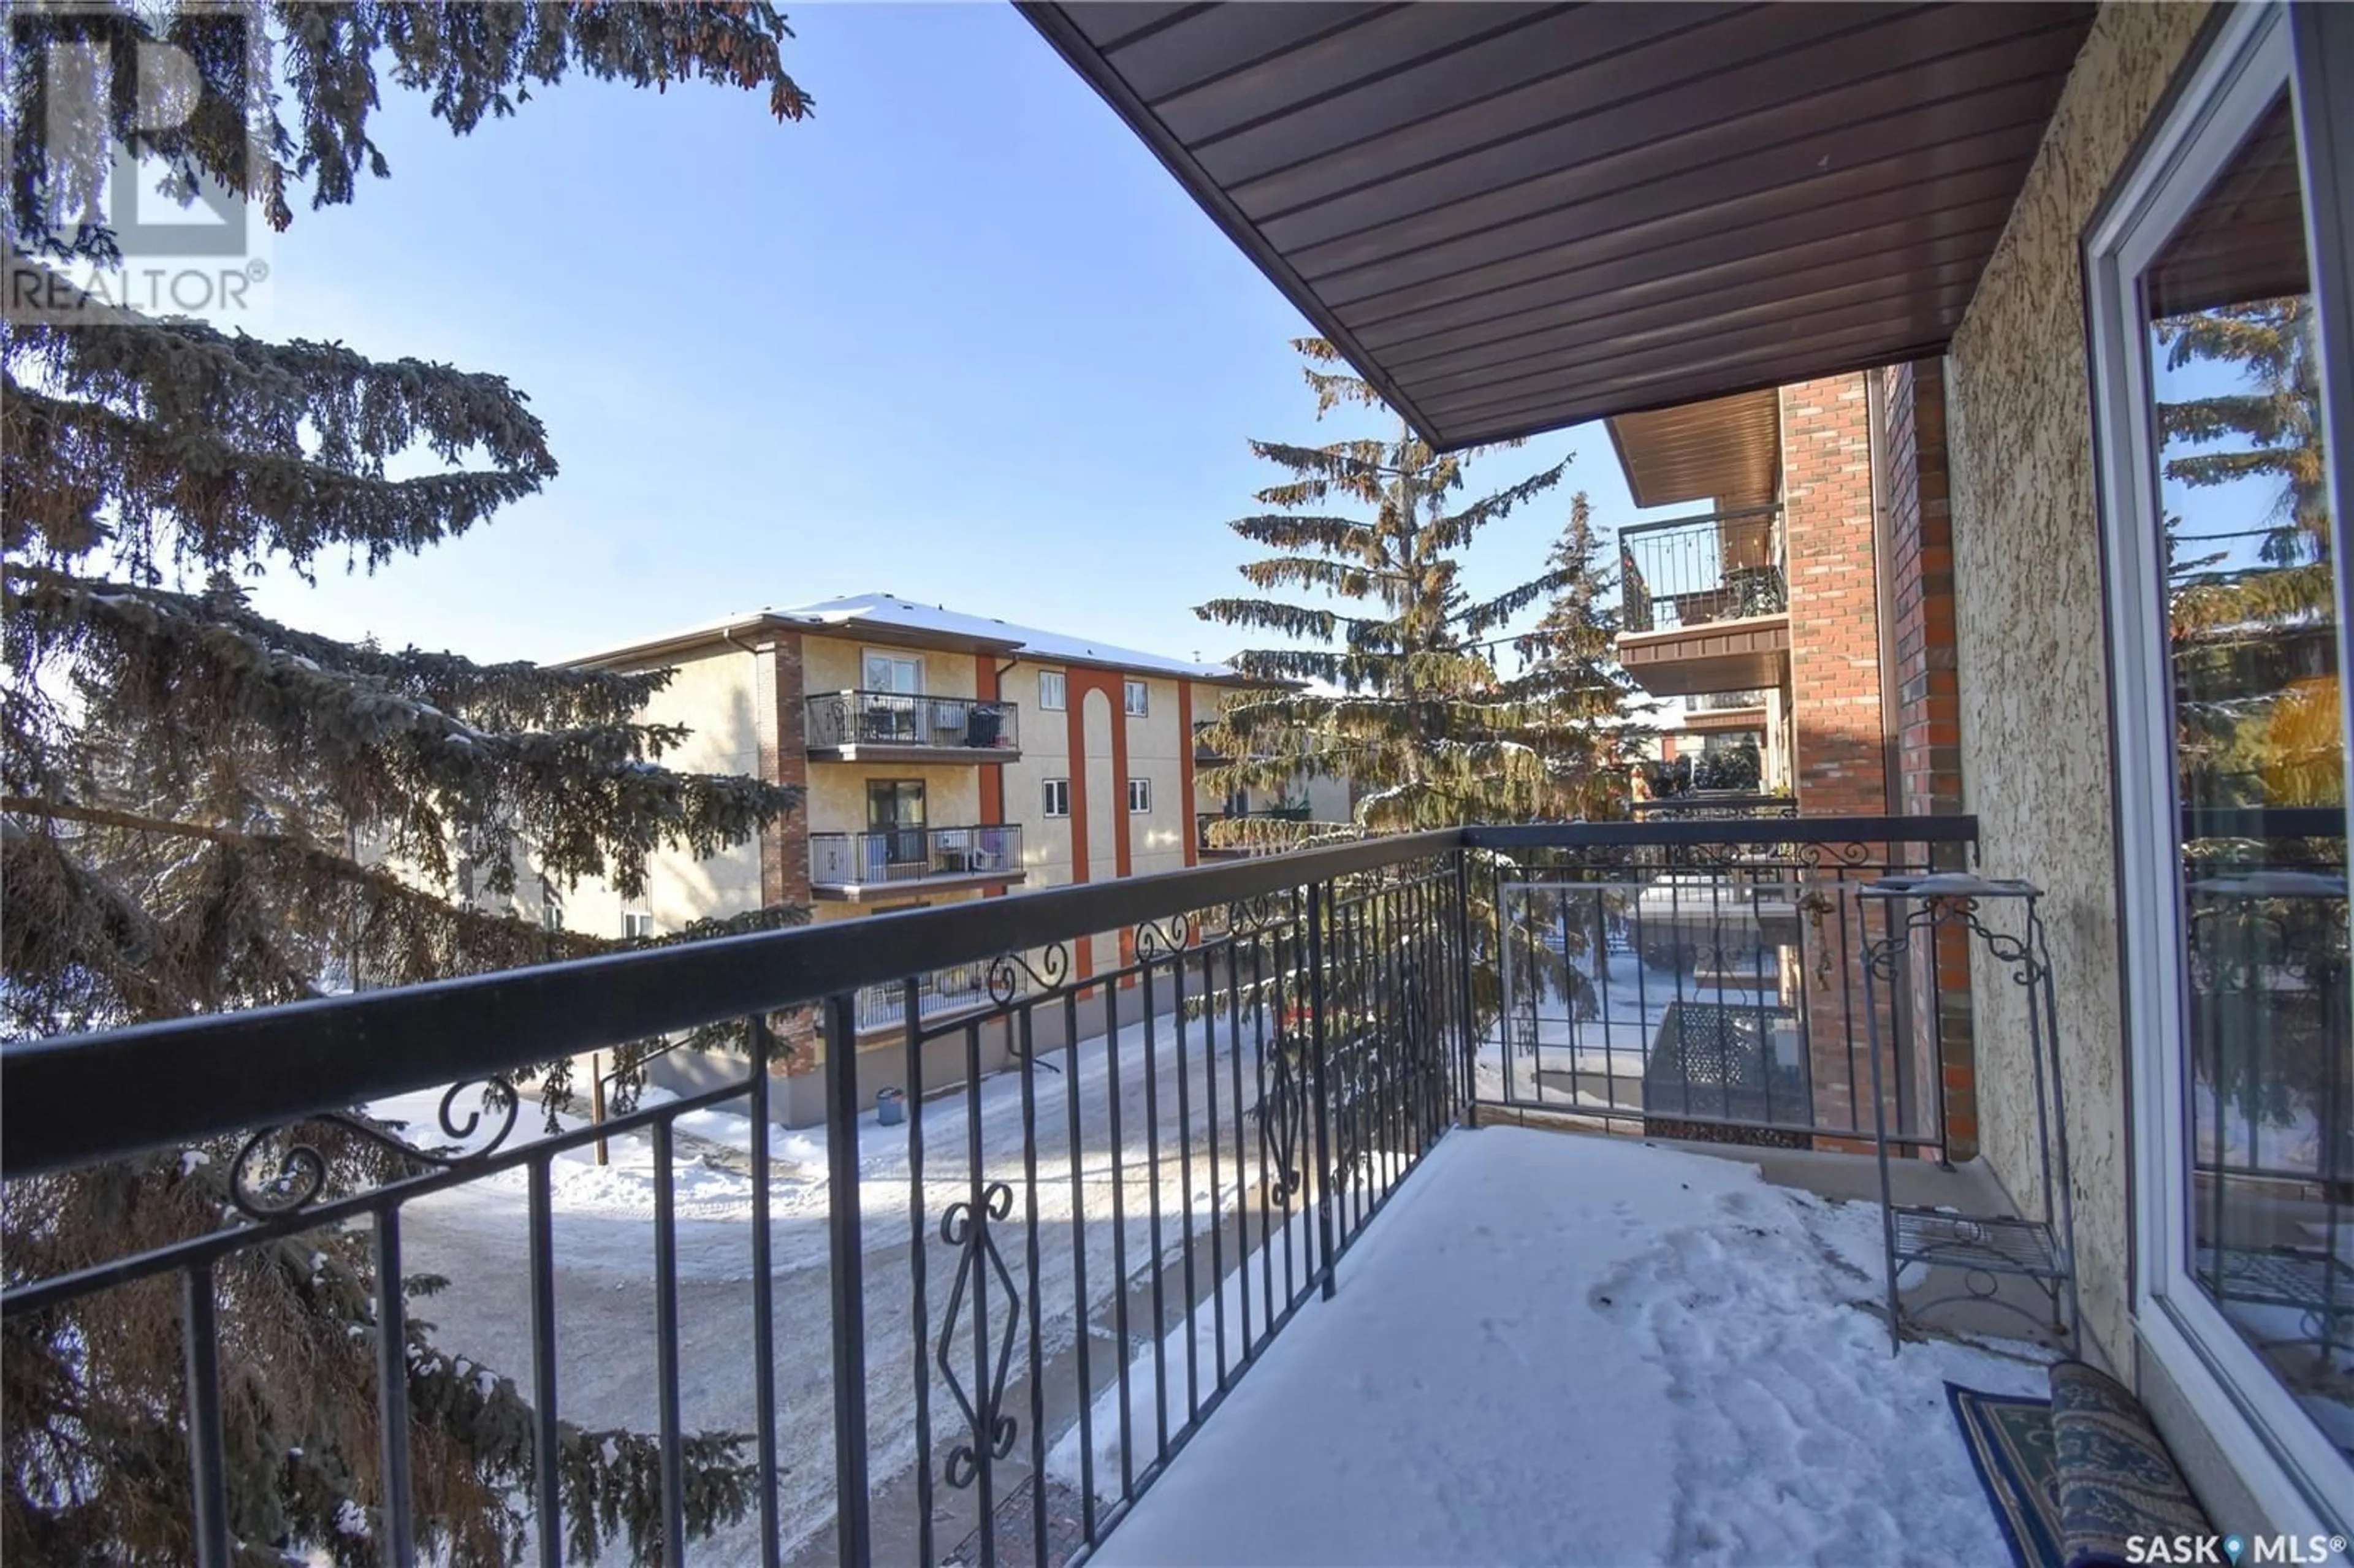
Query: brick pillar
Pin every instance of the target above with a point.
(1929, 734)
(779, 708)
(1838, 760)
(1834, 604)
(784, 759)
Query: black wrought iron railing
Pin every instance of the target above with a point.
(914, 854)
(839, 719)
(1036, 1290)
(1704, 805)
(1689, 572)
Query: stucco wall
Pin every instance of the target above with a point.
(1046, 753)
(837, 793)
(831, 664)
(712, 695)
(2034, 703)
(1156, 746)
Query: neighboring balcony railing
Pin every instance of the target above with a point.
(849, 720)
(1713, 805)
(1058, 1271)
(959, 989)
(1691, 572)
(914, 854)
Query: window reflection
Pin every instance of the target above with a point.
(2250, 607)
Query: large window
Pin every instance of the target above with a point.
(2223, 512)
(1050, 695)
(880, 669)
(1139, 696)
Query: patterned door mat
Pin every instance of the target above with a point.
(2011, 1448)
(2076, 1478)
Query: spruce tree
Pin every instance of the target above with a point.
(207, 809)
(2242, 614)
(1570, 678)
(1391, 676)
(1392, 666)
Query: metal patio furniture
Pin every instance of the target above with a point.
(1983, 1248)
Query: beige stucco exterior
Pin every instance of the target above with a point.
(2030, 641)
(1046, 753)
(711, 693)
(1158, 743)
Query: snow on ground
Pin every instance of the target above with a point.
(1566, 1350)
(475, 1235)
(1607, 1039)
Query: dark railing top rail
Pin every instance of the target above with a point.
(1743, 802)
(1759, 831)
(77, 1100)
(1668, 524)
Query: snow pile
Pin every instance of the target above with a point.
(1583, 1351)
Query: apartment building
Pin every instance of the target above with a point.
(1800, 612)
(945, 757)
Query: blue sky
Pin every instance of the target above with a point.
(959, 338)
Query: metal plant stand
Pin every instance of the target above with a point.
(1983, 1248)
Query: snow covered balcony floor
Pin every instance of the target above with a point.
(1566, 1349)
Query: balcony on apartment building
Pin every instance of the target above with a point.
(1704, 603)
(890, 862)
(1110, 1234)
(902, 727)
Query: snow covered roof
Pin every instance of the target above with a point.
(900, 619)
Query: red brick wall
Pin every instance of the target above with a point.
(1929, 724)
(784, 759)
(778, 689)
(1838, 757)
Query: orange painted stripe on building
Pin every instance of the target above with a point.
(992, 777)
(1075, 715)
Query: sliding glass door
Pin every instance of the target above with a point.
(2217, 284)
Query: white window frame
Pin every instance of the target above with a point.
(1046, 797)
(896, 656)
(1139, 788)
(636, 924)
(1056, 682)
(2284, 1459)
(1136, 696)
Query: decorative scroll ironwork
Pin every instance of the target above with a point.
(967, 1226)
(302, 1174)
(1283, 1119)
(1163, 939)
(2021, 952)
(1007, 971)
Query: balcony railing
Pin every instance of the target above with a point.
(958, 989)
(1684, 572)
(840, 721)
(1713, 805)
(1200, 1126)
(913, 854)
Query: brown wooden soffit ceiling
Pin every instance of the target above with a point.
(1726, 449)
(1515, 218)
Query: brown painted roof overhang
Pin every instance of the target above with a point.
(1515, 218)
(1726, 449)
